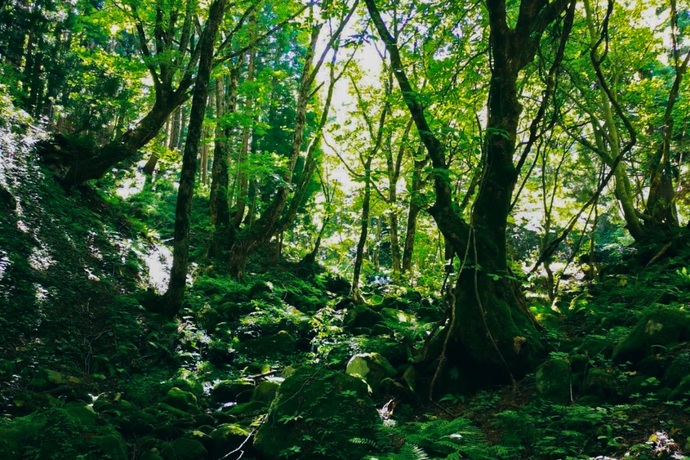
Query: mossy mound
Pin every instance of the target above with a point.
(553, 381)
(660, 328)
(372, 368)
(71, 431)
(316, 414)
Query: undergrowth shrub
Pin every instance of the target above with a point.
(434, 438)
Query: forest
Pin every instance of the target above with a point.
(344, 229)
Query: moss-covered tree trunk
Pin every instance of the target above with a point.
(490, 333)
(363, 230)
(412, 214)
(223, 231)
(178, 273)
(278, 215)
(261, 231)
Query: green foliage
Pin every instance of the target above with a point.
(435, 438)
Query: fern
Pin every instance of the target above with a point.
(415, 453)
(433, 439)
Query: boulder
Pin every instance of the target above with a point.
(247, 410)
(662, 327)
(361, 316)
(553, 381)
(281, 343)
(315, 415)
(682, 390)
(184, 449)
(227, 437)
(601, 382)
(373, 368)
(677, 370)
(232, 391)
(181, 399)
(265, 391)
(69, 431)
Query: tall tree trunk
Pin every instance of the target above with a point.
(491, 335)
(609, 146)
(661, 205)
(363, 231)
(178, 273)
(393, 166)
(263, 229)
(224, 231)
(266, 226)
(413, 211)
(242, 185)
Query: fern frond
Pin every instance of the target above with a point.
(364, 441)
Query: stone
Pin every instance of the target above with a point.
(660, 328)
(184, 449)
(373, 368)
(315, 414)
(677, 370)
(600, 382)
(265, 391)
(227, 437)
(281, 343)
(181, 399)
(232, 391)
(682, 390)
(112, 446)
(361, 316)
(248, 409)
(553, 381)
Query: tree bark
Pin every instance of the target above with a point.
(363, 231)
(178, 273)
(661, 205)
(224, 231)
(413, 211)
(490, 333)
(242, 185)
(268, 224)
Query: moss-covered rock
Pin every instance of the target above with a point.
(152, 454)
(281, 343)
(111, 445)
(227, 437)
(315, 415)
(601, 382)
(265, 391)
(247, 410)
(181, 399)
(677, 370)
(553, 381)
(184, 449)
(662, 327)
(593, 346)
(70, 431)
(360, 317)
(372, 368)
(232, 391)
(15, 435)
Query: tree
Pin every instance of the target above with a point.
(375, 133)
(178, 272)
(631, 112)
(169, 47)
(489, 330)
(259, 232)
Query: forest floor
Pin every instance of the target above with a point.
(89, 370)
